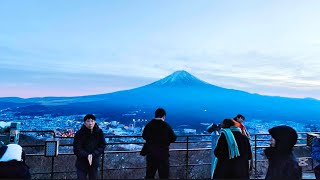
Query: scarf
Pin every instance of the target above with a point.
(232, 145)
(244, 130)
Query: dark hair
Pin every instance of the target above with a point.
(159, 113)
(89, 116)
(239, 116)
(227, 123)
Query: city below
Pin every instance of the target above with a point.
(66, 126)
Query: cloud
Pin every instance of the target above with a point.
(25, 83)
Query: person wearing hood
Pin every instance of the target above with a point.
(232, 153)
(316, 155)
(282, 163)
(89, 143)
(12, 163)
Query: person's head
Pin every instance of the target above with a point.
(160, 113)
(89, 121)
(227, 123)
(239, 118)
(283, 138)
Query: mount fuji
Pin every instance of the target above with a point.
(187, 100)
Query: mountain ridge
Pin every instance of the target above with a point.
(187, 99)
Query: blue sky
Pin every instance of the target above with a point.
(74, 47)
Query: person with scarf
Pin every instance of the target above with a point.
(232, 153)
(238, 120)
(282, 163)
(239, 123)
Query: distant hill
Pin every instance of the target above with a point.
(187, 99)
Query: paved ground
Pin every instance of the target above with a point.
(304, 176)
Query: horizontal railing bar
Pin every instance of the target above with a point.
(178, 165)
(140, 141)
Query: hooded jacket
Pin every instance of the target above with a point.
(87, 142)
(12, 163)
(282, 163)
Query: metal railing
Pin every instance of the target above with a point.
(188, 144)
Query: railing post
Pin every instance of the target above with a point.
(187, 158)
(52, 166)
(255, 156)
(102, 165)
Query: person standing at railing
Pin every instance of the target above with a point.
(158, 135)
(89, 143)
(214, 129)
(316, 155)
(239, 119)
(233, 152)
(282, 163)
(239, 123)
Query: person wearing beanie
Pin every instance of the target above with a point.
(88, 145)
(282, 163)
(12, 163)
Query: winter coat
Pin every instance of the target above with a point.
(87, 142)
(282, 163)
(316, 149)
(235, 168)
(12, 163)
(158, 135)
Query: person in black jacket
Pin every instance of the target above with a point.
(158, 135)
(233, 152)
(12, 163)
(282, 163)
(89, 143)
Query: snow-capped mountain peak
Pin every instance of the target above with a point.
(179, 78)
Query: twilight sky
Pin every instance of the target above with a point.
(77, 47)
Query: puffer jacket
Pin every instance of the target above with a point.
(87, 142)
